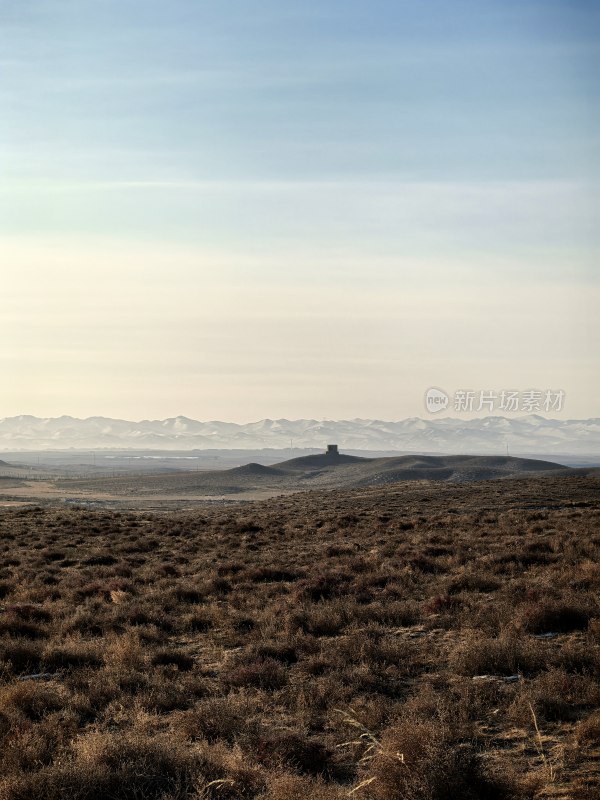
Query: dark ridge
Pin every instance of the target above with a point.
(322, 460)
(259, 470)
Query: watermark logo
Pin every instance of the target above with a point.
(529, 401)
(436, 400)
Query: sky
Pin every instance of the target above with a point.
(300, 209)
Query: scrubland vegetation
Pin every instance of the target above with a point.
(414, 642)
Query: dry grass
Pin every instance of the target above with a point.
(418, 641)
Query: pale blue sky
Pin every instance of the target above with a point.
(188, 188)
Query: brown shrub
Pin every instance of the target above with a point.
(473, 582)
(302, 753)
(177, 658)
(320, 620)
(6, 588)
(284, 786)
(502, 656)
(588, 730)
(14, 625)
(442, 604)
(262, 673)
(266, 574)
(119, 766)
(555, 696)
(71, 654)
(553, 616)
(186, 593)
(32, 699)
(419, 759)
(322, 587)
(218, 718)
(20, 657)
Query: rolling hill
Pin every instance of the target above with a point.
(324, 471)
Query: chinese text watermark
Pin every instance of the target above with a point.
(529, 401)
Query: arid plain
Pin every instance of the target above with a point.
(417, 639)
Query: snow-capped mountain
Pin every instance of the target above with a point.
(487, 435)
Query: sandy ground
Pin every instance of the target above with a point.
(47, 492)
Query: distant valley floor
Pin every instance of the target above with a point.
(253, 481)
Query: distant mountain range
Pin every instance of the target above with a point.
(531, 434)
